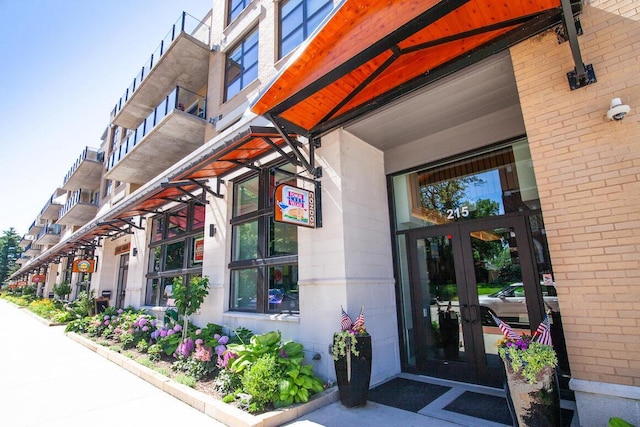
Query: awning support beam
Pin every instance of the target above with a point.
(582, 75)
(309, 165)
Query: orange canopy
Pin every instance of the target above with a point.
(369, 52)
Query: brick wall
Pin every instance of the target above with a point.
(588, 170)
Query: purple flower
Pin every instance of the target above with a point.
(154, 334)
(120, 311)
(217, 336)
(220, 350)
(199, 341)
(153, 323)
(145, 328)
(283, 353)
(177, 328)
(185, 347)
(106, 322)
(142, 321)
(170, 332)
(105, 317)
(163, 333)
(223, 340)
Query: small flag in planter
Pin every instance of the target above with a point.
(345, 320)
(543, 333)
(506, 329)
(359, 323)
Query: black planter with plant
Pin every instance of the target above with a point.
(352, 356)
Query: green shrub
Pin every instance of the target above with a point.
(262, 381)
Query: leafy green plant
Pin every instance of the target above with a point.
(619, 422)
(62, 290)
(297, 382)
(527, 357)
(188, 299)
(262, 381)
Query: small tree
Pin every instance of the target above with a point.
(62, 290)
(188, 299)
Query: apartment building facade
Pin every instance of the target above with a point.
(449, 149)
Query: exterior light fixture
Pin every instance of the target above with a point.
(617, 110)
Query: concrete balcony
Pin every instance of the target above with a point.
(81, 208)
(33, 249)
(181, 59)
(23, 259)
(50, 235)
(26, 241)
(35, 227)
(53, 205)
(174, 129)
(86, 172)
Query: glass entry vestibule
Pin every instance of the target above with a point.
(470, 243)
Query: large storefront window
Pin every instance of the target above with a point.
(175, 250)
(264, 270)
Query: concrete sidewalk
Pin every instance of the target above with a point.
(47, 380)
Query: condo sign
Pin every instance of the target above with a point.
(294, 205)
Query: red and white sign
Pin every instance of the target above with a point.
(198, 249)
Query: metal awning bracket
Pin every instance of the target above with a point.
(583, 74)
(309, 164)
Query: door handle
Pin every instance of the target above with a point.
(463, 308)
(476, 309)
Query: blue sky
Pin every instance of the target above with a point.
(65, 63)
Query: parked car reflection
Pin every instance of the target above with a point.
(509, 304)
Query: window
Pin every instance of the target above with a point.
(175, 238)
(298, 19)
(235, 7)
(242, 65)
(264, 256)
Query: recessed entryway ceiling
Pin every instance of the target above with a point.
(479, 90)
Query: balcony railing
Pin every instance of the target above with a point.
(51, 201)
(87, 154)
(79, 196)
(179, 99)
(50, 229)
(185, 24)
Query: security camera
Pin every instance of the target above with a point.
(617, 110)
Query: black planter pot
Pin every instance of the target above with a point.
(354, 392)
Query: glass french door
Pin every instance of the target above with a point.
(457, 272)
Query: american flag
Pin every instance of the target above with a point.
(345, 320)
(506, 329)
(543, 333)
(359, 323)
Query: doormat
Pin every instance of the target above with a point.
(406, 394)
(483, 406)
(491, 408)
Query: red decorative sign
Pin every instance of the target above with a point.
(38, 278)
(84, 266)
(198, 249)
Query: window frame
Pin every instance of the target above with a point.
(244, 48)
(230, 9)
(264, 261)
(189, 268)
(306, 29)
